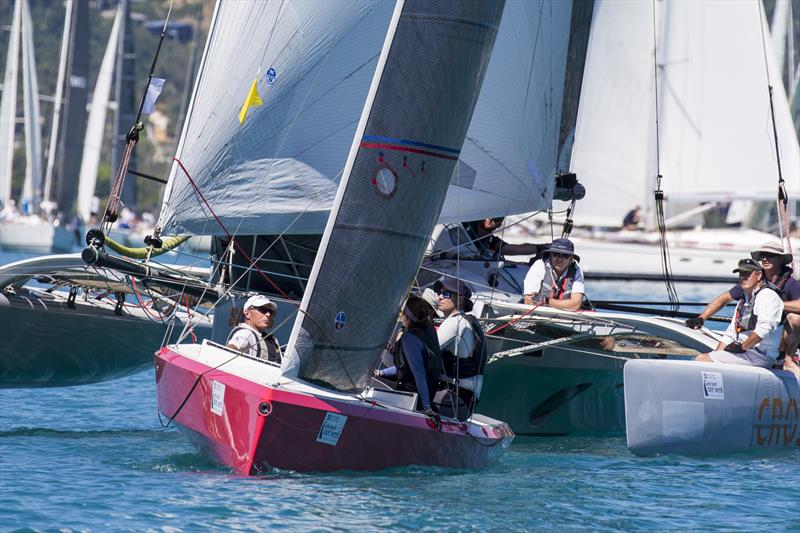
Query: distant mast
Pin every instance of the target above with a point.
(8, 106)
(126, 102)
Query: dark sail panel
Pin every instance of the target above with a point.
(73, 128)
(391, 197)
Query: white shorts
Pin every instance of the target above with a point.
(751, 357)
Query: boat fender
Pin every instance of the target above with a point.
(264, 408)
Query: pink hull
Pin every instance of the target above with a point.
(288, 437)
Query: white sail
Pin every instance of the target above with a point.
(95, 127)
(716, 133)
(33, 130)
(8, 105)
(58, 102)
(311, 110)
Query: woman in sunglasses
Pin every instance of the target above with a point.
(250, 337)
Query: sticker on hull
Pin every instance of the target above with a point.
(217, 397)
(713, 387)
(331, 428)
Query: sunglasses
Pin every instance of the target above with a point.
(558, 255)
(767, 257)
(446, 294)
(264, 309)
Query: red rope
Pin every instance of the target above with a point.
(504, 326)
(221, 225)
(189, 318)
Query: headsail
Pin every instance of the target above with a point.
(8, 105)
(247, 172)
(31, 189)
(404, 153)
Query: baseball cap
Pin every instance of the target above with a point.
(259, 300)
(747, 265)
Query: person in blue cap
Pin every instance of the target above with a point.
(556, 279)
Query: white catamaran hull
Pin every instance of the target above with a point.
(692, 408)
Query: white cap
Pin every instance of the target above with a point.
(259, 300)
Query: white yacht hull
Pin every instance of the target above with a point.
(36, 236)
(692, 408)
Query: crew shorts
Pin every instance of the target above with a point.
(751, 357)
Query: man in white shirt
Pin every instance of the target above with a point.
(754, 334)
(250, 337)
(557, 279)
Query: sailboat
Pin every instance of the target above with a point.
(715, 134)
(62, 297)
(318, 410)
(31, 230)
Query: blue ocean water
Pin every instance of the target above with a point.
(96, 458)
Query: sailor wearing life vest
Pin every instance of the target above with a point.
(250, 337)
(557, 279)
(753, 336)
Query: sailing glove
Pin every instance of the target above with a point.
(734, 347)
(695, 322)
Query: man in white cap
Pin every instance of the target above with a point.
(250, 337)
(753, 336)
(778, 271)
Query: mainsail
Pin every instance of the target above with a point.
(278, 172)
(716, 140)
(74, 126)
(93, 140)
(403, 156)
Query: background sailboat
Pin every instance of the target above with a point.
(715, 134)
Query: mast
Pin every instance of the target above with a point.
(58, 99)
(8, 106)
(74, 126)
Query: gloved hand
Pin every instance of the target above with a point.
(434, 416)
(376, 373)
(695, 322)
(734, 347)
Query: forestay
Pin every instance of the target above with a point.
(279, 170)
(716, 133)
(403, 155)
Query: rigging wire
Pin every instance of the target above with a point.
(782, 199)
(666, 266)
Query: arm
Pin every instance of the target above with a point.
(527, 248)
(719, 302)
(573, 303)
(533, 281)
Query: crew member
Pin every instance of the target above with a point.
(556, 279)
(251, 337)
(753, 336)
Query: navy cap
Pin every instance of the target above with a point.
(562, 246)
(454, 285)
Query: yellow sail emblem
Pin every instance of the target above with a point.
(253, 99)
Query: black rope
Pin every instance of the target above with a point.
(170, 419)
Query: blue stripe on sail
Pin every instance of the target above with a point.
(408, 143)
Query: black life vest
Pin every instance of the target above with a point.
(268, 342)
(743, 318)
(432, 359)
(557, 289)
(467, 367)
